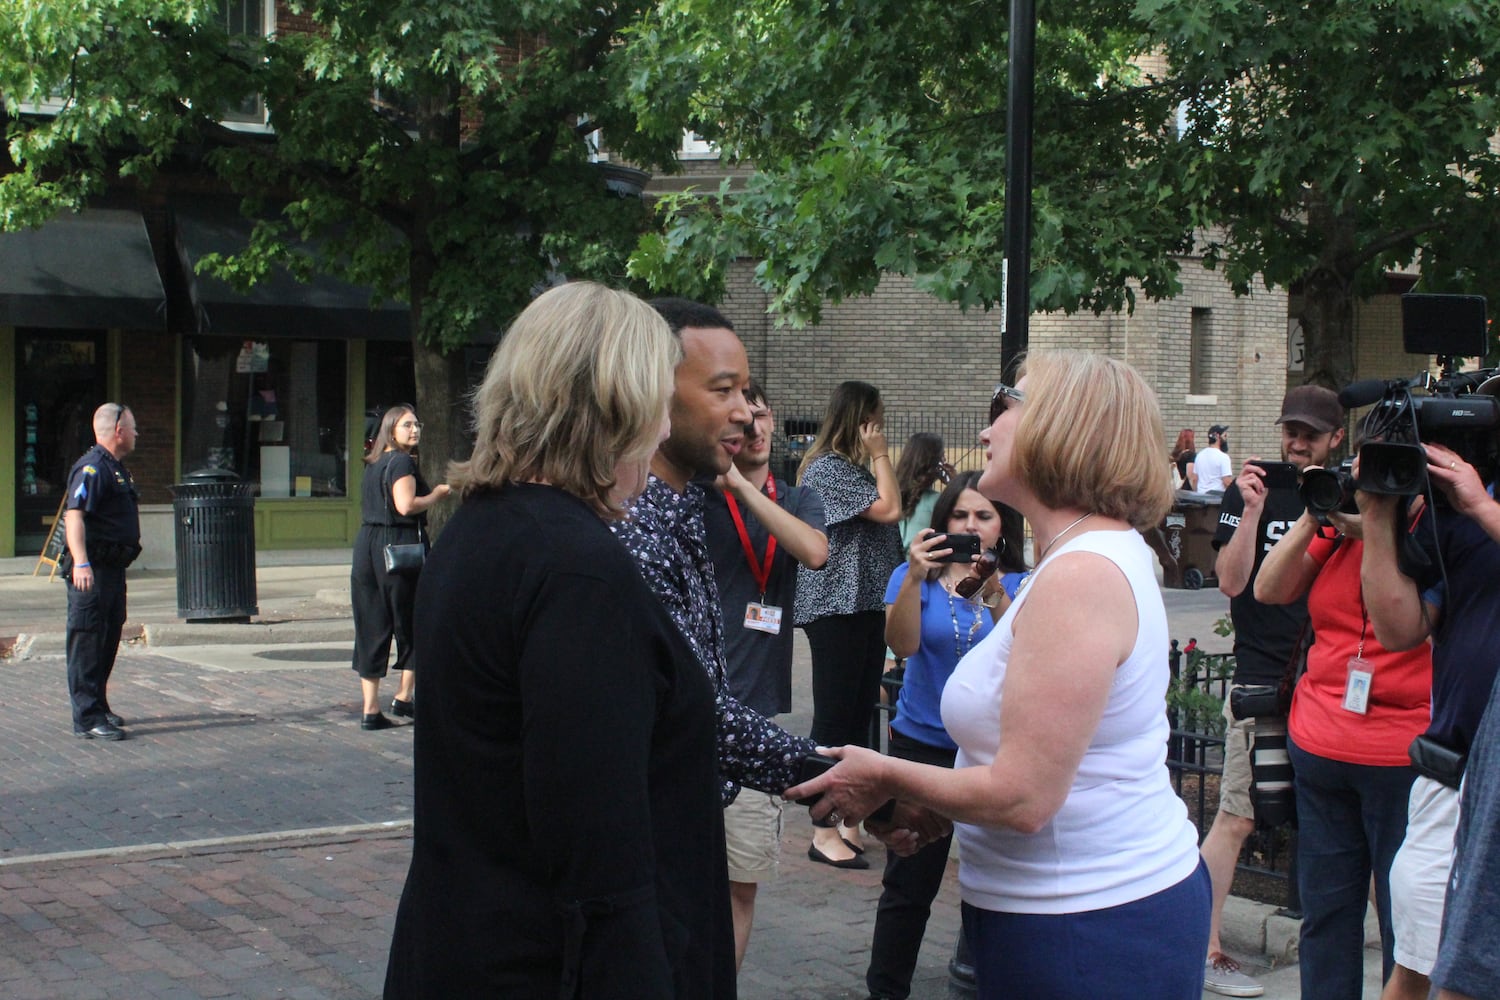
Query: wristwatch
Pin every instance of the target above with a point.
(995, 597)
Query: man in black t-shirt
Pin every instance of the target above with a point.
(1251, 520)
(758, 528)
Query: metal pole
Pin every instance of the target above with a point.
(1019, 98)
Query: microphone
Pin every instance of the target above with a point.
(1365, 392)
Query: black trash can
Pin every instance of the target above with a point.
(1184, 544)
(214, 514)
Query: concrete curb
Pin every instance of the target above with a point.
(30, 645)
(254, 633)
(274, 838)
(1260, 929)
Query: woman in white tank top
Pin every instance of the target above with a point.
(1080, 872)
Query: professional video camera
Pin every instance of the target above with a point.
(1459, 409)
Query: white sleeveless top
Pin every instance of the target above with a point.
(1122, 834)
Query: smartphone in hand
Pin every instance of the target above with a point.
(812, 765)
(1279, 475)
(965, 548)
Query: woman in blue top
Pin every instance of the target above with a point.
(930, 625)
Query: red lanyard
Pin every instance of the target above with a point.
(762, 573)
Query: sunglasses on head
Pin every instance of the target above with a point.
(999, 401)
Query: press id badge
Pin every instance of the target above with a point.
(763, 617)
(1357, 687)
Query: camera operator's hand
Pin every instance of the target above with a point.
(1252, 484)
(1456, 478)
(1374, 508)
(1348, 525)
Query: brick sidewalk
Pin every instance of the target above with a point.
(312, 918)
(243, 756)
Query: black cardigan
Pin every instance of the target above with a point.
(569, 840)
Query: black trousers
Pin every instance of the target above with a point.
(848, 653)
(908, 888)
(95, 618)
(383, 604)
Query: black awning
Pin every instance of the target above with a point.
(86, 271)
(323, 308)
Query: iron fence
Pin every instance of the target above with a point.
(960, 434)
(1195, 751)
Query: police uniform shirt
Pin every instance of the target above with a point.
(102, 488)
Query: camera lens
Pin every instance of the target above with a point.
(1271, 774)
(1322, 490)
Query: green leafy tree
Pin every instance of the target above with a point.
(439, 152)
(877, 131)
(1329, 143)
(1319, 146)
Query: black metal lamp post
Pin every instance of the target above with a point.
(1019, 98)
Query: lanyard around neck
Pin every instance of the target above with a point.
(761, 571)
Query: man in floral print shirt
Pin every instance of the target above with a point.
(665, 533)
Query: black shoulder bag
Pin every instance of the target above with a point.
(401, 558)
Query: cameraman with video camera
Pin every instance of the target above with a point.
(1353, 715)
(1447, 593)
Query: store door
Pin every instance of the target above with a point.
(60, 381)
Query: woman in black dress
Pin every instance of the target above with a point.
(569, 835)
(394, 499)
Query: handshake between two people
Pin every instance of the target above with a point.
(842, 785)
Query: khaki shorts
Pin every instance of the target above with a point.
(752, 836)
(1234, 786)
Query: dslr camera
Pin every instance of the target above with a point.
(1456, 409)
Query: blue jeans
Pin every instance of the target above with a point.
(1351, 820)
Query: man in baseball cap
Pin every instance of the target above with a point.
(1314, 406)
(1251, 519)
(1212, 463)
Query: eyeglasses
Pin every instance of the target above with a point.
(411, 425)
(998, 401)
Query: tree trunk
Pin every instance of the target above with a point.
(1327, 317)
(439, 377)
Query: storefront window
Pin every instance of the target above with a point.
(60, 382)
(271, 411)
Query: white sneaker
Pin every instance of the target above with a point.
(1222, 975)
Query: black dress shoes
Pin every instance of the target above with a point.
(405, 709)
(376, 721)
(113, 719)
(858, 863)
(103, 731)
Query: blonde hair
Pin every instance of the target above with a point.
(1090, 436)
(579, 384)
(852, 405)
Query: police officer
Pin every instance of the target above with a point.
(103, 529)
